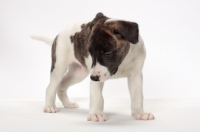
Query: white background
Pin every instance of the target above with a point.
(170, 29)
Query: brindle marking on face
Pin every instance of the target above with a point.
(108, 44)
(113, 38)
(53, 53)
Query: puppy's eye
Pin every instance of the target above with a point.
(118, 35)
(108, 55)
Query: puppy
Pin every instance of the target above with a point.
(106, 49)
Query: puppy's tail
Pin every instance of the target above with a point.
(44, 39)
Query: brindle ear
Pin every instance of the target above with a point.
(129, 31)
(96, 19)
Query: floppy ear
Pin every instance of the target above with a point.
(128, 30)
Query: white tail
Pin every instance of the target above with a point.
(44, 39)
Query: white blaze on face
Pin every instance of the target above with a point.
(100, 71)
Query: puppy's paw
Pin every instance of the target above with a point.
(96, 117)
(50, 109)
(71, 105)
(143, 116)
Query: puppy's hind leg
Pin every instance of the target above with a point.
(58, 69)
(74, 75)
(55, 78)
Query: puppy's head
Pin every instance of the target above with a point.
(109, 43)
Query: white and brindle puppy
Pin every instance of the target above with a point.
(104, 48)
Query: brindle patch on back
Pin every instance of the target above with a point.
(80, 41)
(72, 39)
(83, 26)
(53, 53)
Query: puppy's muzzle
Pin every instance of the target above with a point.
(94, 78)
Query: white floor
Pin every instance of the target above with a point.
(172, 115)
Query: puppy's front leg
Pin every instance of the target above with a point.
(135, 88)
(96, 102)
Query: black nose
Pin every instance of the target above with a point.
(95, 78)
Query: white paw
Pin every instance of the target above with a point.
(97, 117)
(143, 116)
(50, 109)
(71, 105)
